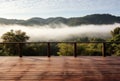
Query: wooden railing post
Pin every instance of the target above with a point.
(104, 49)
(48, 49)
(75, 49)
(20, 50)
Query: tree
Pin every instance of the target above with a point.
(116, 31)
(13, 36)
(114, 48)
(65, 49)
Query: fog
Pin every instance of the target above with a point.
(61, 32)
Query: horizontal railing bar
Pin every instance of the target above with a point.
(53, 42)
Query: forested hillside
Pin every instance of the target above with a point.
(74, 21)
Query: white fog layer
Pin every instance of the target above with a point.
(61, 32)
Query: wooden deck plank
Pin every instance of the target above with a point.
(84, 68)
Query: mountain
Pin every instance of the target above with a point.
(10, 21)
(94, 19)
(89, 19)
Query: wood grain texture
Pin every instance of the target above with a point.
(83, 68)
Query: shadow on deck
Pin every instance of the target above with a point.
(83, 68)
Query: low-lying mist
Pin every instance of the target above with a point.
(61, 32)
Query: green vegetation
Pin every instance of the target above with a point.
(65, 49)
(59, 49)
(13, 36)
(35, 50)
(89, 49)
(114, 49)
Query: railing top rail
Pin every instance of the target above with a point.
(55, 42)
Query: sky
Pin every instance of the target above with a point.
(25, 9)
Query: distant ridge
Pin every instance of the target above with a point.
(97, 19)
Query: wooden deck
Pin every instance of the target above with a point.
(60, 68)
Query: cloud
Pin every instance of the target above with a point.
(61, 32)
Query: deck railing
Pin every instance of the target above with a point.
(49, 46)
